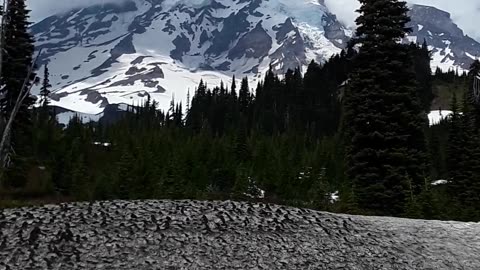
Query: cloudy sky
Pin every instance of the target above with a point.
(466, 13)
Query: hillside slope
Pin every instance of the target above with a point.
(226, 235)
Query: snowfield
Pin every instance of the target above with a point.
(435, 117)
(226, 235)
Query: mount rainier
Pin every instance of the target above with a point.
(121, 53)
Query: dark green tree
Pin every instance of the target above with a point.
(386, 151)
(473, 95)
(244, 96)
(16, 68)
(17, 61)
(45, 88)
(423, 73)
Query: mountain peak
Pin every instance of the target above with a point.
(124, 52)
(450, 47)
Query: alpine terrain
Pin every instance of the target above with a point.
(121, 53)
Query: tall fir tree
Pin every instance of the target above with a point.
(244, 95)
(423, 73)
(474, 91)
(463, 159)
(45, 88)
(18, 54)
(385, 142)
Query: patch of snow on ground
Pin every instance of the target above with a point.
(334, 197)
(436, 117)
(439, 182)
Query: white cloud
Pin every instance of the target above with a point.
(464, 12)
(345, 10)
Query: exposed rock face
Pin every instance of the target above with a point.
(451, 48)
(226, 235)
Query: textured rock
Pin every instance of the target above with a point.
(226, 235)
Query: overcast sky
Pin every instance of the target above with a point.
(466, 13)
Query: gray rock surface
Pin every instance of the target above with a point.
(226, 235)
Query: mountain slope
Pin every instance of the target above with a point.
(122, 53)
(450, 47)
(226, 235)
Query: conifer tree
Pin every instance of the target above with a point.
(463, 158)
(234, 85)
(17, 59)
(384, 121)
(474, 97)
(244, 96)
(18, 56)
(45, 89)
(423, 74)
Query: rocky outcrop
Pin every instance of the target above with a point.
(226, 235)
(450, 47)
(254, 44)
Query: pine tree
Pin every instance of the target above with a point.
(234, 85)
(17, 59)
(125, 175)
(383, 116)
(244, 96)
(240, 188)
(472, 96)
(45, 89)
(19, 50)
(463, 159)
(423, 74)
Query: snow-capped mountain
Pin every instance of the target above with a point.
(121, 53)
(450, 47)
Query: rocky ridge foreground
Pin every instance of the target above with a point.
(226, 235)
